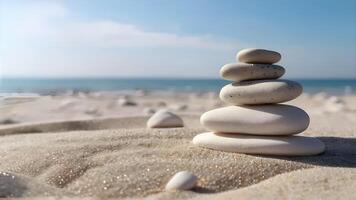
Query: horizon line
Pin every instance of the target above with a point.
(157, 77)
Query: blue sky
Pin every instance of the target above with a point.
(166, 38)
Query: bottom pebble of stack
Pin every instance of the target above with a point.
(262, 145)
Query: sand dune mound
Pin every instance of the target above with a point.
(122, 163)
(88, 124)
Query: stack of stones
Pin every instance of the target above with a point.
(256, 122)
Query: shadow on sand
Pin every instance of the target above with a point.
(340, 152)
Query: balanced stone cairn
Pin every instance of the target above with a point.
(256, 123)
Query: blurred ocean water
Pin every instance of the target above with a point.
(46, 85)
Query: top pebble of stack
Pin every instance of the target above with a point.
(258, 56)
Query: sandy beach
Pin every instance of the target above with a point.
(96, 146)
(178, 99)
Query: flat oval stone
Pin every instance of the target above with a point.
(245, 71)
(258, 56)
(260, 92)
(275, 119)
(183, 180)
(262, 145)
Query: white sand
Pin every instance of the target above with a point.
(67, 153)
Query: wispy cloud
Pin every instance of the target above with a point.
(115, 34)
(48, 39)
(53, 22)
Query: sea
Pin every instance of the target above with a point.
(48, 85)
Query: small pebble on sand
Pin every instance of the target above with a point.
(183, 180)
(149, 111)
(126, 102)
(164, 119)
